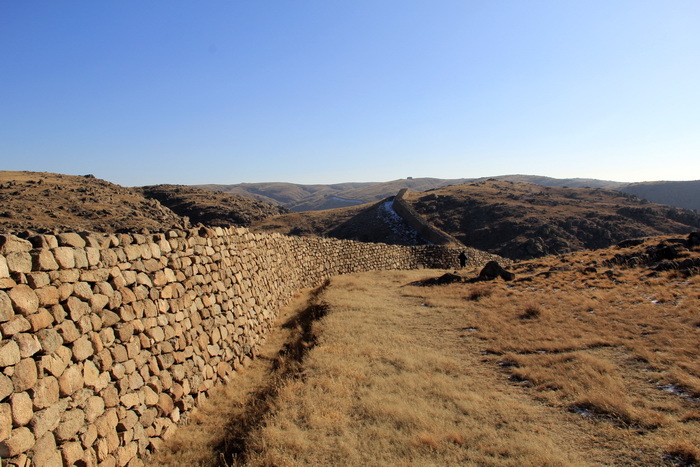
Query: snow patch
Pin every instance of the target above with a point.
(396, 223)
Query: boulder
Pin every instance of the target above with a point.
(493, 270)
(693, 239)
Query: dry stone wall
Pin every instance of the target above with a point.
(425, 229)
(107, 341)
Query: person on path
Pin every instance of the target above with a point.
(462, 259)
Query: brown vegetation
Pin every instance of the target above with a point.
(521, 220)
(577, 361)
(47, 202)
(212, 207)
(300, 198)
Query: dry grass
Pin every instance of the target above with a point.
(560, 367)
(389, 383)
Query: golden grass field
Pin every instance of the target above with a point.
(576, 362)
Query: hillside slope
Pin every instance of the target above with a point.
(43, 201)
(515, 220)
(522, 220)
(300, 198)
(370, 222)
(682, 194)
(210, 207)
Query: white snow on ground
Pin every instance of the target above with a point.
(396, 223)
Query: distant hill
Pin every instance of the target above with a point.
(522, 220)
(682, 194)
(516, 220)
(211, 207)
(561, 182)
(300, 198)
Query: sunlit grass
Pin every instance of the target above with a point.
(573, 363)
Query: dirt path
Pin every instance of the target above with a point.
(217, 431)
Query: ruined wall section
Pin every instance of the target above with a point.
(424, 228)
(107, 342)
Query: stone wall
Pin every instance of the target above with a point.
(425, 229)
(107, 341)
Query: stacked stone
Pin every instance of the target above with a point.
(108, 341)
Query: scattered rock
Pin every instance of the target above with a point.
(493, 270)
(445, 279)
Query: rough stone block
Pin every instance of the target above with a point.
(6, 387)
(71, 380)
(81, 260)
(48, 295)
(49, 340)
(7, 311)
(43, 260)
(20, 440)
(37, 280)
(110, 396)
(125, 331)
(107, 422)
(19, 261)
(107, 336)
(90, 374)
(28, 344)
(24, 300)
(46, 453)
(9, 353)
(94, 408)
(45, 392)
(119, 353)
(6, 421)
(4, 271)
(82, 290)
(126, 453)
(165, 404)
(130, 399)
(71, 423)
(70, 239)
(40, 320)
(14, 326)
(82, 348)
(25, 375)
(64, 291)
(76, 307)
(68, 331)
(64, 257)
(93, 256)
(22, 408)
(71, 453)
(98, 302)
(48, 419)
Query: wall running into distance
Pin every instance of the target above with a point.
(425, 229)
(106, 341)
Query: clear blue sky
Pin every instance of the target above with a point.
(189, 92)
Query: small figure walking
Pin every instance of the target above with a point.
(462, 259)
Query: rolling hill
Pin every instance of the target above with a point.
(682, 194)
(45, 202)
(515, 220)
(299, 198)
